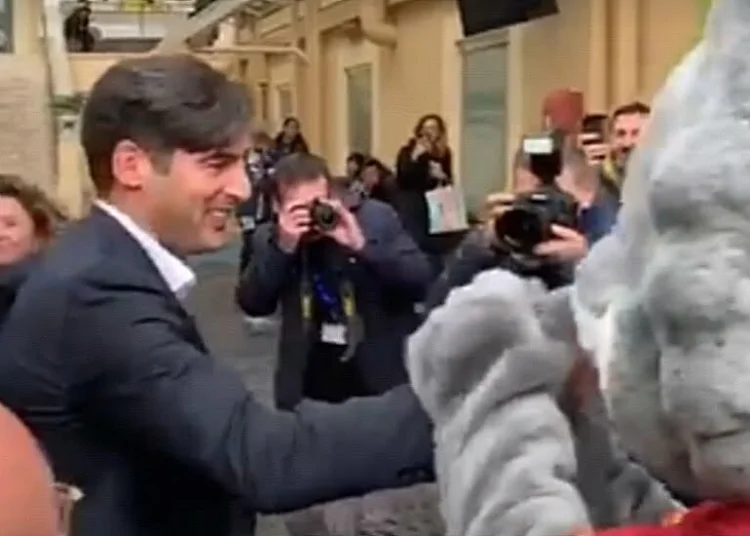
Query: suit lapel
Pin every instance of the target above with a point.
(122, 244)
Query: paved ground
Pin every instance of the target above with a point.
(249, 351)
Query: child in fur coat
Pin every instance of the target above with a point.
(661, 307)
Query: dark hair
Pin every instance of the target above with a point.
(298, 144)
(357, 158)
(633, 108)
(299, 167)
(47, 216)
(430, 117)
(594, 123)
(161, 103)
(381, 167)
(289, 120)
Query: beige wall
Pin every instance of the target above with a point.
(416, 77)
(612, 50)
(27, 15)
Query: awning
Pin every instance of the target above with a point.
(212, 14)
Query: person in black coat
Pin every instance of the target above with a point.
(378, 182)
(104, 364)
(423, 164)
(362, 278)
(290, 140)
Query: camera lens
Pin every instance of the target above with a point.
(520, 229)
(324, 216)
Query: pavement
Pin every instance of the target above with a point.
(251, 351)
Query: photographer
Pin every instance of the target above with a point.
(551, 259)
(347, 277)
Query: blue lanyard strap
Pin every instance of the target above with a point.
(341, 304)
(331, 300)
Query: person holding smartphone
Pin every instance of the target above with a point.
(423, 164)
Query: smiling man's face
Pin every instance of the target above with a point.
(196, 200)
(626, 132)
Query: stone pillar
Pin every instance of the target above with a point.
(625, 60)
(313, 101)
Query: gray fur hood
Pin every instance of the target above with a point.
(662, 305)
(664, 302)
(489, 366)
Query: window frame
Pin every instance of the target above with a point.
(351, 137)
(498, 38)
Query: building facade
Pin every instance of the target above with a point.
(375, 66)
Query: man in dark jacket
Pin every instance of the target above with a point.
(347, 292)
(104, 365)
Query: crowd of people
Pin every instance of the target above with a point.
(575, 365)
(102, 363)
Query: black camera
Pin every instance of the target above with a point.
(529, 220)
(323, 216)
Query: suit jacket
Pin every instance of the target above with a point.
(11, 278)
(108, 370)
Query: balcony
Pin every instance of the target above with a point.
(132, 19)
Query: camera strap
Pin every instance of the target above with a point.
(345, 326)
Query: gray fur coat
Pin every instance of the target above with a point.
(489, 367)
(662, 305)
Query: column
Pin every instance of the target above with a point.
(597, 90)
(312, 96)
(624, 64)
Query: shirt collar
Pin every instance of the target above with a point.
(178, 276)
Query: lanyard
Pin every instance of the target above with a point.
(342, 305)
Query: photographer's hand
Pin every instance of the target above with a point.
(347, 233)
(294, 223)
(569, 246)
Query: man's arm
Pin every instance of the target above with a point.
(392, 254)
(154, 389)
(262, 282)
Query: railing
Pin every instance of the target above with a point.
(132, 19)
(131, 6)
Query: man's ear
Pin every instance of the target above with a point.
(131, 165)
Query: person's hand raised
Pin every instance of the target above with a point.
(347, 232)
(568, 245)
(422, 146)
(294, 223)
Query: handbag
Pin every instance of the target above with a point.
(446, 210)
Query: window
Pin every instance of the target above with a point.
(359, 108)
(286, 101)
(484, 136)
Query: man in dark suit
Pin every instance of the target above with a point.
(101, 361)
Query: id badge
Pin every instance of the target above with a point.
(333, 334)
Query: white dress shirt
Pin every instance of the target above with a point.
(178, 276)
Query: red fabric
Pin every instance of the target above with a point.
(563, 109)
(708, 519)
